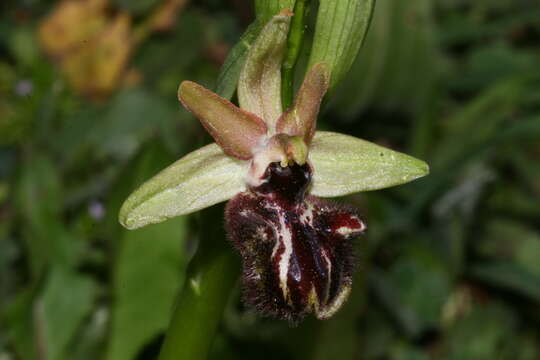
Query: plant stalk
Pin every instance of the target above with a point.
(211, 275)
(294, 45)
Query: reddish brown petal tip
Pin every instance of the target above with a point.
(236, 131)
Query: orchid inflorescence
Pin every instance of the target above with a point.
(295, 247)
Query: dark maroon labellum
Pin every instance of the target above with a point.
(296, 249)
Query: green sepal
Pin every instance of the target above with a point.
(200, 179)
(344, 165)
(259, 86)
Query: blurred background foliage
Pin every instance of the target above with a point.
(450, 267)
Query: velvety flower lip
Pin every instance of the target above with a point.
(296, 248)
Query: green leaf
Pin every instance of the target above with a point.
(68, 297)
(344, 164)
(339, 33)
(422, 283)
(136, 6)
(482, 331)
(259, 86)
(148, 268)
(398, 52)
(146, 277)
(200, 179)
(18, 318)
(126, 124)
(39, 192)
(508, 275)
(39, 199)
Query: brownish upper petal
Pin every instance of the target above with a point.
(301, 119)
(238, 132)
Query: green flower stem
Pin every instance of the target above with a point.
(294, 45)
(211, 275)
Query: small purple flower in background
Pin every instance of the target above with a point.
(96, 210)
(24, 87)
(295, 247)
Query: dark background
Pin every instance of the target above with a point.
(450, 267)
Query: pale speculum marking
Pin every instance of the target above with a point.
(296, 249)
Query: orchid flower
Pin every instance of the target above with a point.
(274, 167)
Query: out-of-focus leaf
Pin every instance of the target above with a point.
(402, 351)
(339, 33)
(67, 299)
(378, 331)
(493, 107)
(131, 118)
(521, 346)
(8, 77)
(468, 139)
(414, 290)
(388, 295)
(514, 201)
(514, 251)
(513, 241)
(40, 200)
(399, 50)
(8, 253)
(344, 164)
(90, 341)
(18, 316)
(24, 46)
(146, 278)
(508, 275)
(481, 333)
(136, 6)
(491, 63)
(464, 196)
(147, 273)
(423, 284)
(40, 190)
(178, 51)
